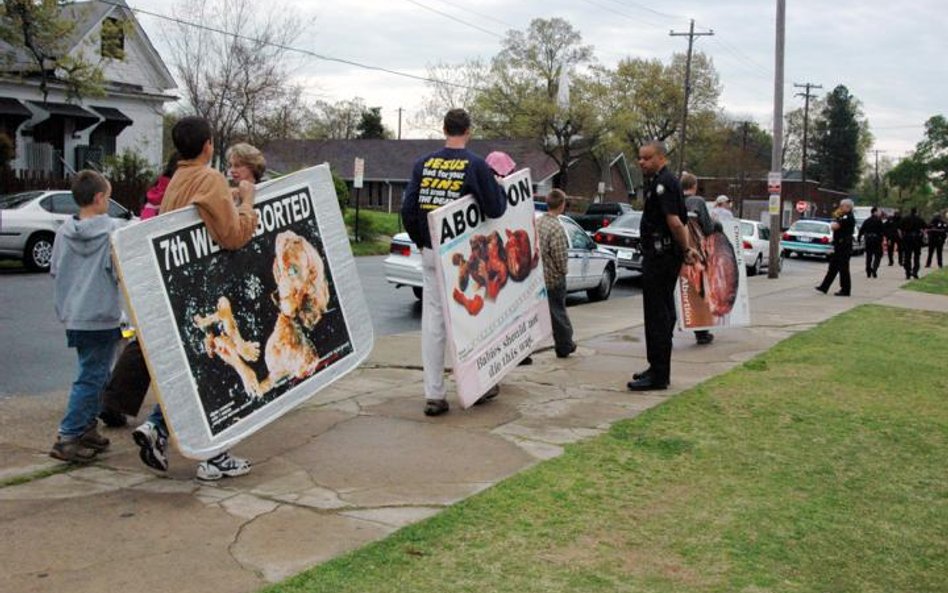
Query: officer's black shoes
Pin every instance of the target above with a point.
(647, 383)
(840, 293)
(821, 289)
(642, 374)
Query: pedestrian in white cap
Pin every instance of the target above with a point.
(722, 209)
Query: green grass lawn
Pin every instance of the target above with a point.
(375, 230)
(819, 466)
(934, 283)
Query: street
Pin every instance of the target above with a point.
(37, 360)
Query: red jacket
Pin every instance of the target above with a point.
(154, 197)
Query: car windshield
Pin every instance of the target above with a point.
(627, 221)
(11, 201)
(810, 227)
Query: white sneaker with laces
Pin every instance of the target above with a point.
(151, 446)
(224, 465)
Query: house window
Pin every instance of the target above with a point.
(113, 39)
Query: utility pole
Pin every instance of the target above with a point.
(740, 208)
(400, 122)
(806, 126)
(684, 116)
(877, 175)
(773, 270)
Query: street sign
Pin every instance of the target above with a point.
(358, 172)
(774, 204)
(773, 182)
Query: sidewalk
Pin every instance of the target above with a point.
(358, 461)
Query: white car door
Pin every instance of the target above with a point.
(578, 259)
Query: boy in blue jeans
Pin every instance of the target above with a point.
(87, 302)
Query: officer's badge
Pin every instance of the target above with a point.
(660, 189)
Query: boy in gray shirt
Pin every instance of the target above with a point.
(87, 302)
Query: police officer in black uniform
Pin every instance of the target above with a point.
(891, 230)
(665, 245)
(937, 231)
(910, 232)
(843, 227)
(872, 230)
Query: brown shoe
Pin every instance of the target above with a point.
(436, 407)
(93, 440)
(72, 450)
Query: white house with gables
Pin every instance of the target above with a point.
(62, 135)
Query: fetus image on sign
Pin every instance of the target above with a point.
(301, 297)
(491, 263)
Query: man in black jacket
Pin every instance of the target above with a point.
(910, 232)
(936, 238)
(843, 226)
(872, 230)
(437, 180)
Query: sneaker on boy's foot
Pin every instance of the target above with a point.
(436, 407)
(151, 444)
(72, 450)
(93, 440)
(224, 465)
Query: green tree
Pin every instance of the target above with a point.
(648, 99)
(841, 138)
(370, 124)
(523, 98)
(922, 177)
(39, 33)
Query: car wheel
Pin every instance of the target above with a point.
(602, 292)
(758, 264)
(418, 292)
(785, 253)
(39, 252)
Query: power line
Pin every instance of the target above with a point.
(651, 10)
(456, 19)
(480, 14)
(285, 47)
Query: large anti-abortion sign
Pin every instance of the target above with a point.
(713, 292)
(495, 303)
(235, 339)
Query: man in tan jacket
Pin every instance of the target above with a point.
(231, 226)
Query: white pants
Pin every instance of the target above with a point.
(433, 336)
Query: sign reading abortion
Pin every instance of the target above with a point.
(235, 339)
(713, 292)
(495, 303)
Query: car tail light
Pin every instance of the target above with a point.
(787, 237)
(399, 249)
(824, 240)
(605, 222)
(747, 245)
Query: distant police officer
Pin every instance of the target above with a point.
(890, 227)
(843, 227)
(665, 245)
(872, 230)
(937, 230)
(910, 232)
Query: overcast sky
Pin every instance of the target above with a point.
(891, 55)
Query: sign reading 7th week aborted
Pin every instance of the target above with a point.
(495, 303)
(235, 339)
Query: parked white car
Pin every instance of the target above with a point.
(756, 244)
(622, 238)
(28, 223)
(590, 268)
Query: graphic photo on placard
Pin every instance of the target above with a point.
(712, 292)
(253, 322)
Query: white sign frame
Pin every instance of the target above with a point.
(143, 277)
